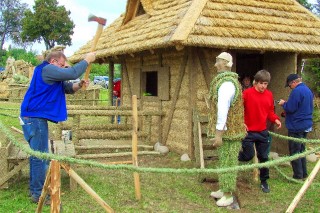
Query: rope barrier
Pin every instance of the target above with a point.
(49, 156)
(299, 140)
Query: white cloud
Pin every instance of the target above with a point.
(80, 10)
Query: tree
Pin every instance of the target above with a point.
(305, 4)
(11, 14)
(49, 22)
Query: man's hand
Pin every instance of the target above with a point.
(218, 138)
(278, 122)
(281, 102)
(90, 57)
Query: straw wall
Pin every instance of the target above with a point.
(280, 65)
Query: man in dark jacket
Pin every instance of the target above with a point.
(298, 110)
(45, 101)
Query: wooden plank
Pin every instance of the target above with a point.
(45, 190)
(111, 77)
(200, 147)
(204, 66)
(87, 188)
(13, 172)
(55, 186)
(192, 96)
(188, 21)
(111, 147)
(135, 146)
(304, 188)
(126, 76)
(111, 155)
(175, 98)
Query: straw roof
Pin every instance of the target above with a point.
(263, 25)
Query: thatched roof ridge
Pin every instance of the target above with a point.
(265, 25)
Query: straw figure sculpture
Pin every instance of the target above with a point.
(232, 137)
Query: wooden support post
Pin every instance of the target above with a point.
(55, 186)
(201, 147)
(45, 190)
(304, 188)
(110, 85)
(87, 188)
(255, 170)
(135, 146)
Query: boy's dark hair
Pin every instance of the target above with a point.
(262, 76)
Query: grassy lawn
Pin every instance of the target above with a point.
(160, 192)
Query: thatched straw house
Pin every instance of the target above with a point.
(167, 49)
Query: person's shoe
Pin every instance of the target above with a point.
(225, 201)
(217, 194)
(265, 187)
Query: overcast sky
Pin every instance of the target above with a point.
(80, 10)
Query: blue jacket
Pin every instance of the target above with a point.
(299, 109)
(44, 100)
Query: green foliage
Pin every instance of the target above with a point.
(305, 4)
(49, 22)
(103, 69)
(311, 74)
(11, 14)
(19, 54)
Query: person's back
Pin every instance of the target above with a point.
(299, 109)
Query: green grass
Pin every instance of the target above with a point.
(173, 193)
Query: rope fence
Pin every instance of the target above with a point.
(70, 160)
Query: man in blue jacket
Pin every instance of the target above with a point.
(45, 101)
(298, 110)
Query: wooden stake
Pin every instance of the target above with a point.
(304, 188)
(55, 186)
(255, 170)
(200, 146)
(87, 188)
(45, 190)
(17, 130)
(135, 145)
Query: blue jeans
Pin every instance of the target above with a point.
(299, 166)
(35, 131)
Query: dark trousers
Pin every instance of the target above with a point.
(260, 140)
(299, 166)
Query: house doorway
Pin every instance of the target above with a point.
(247, 65)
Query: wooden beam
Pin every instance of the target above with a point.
(304, 188)
(204, 66)
(45, 190)
(135, 146)
(87, 188)
(110, 84)
(193, 73)
(175, 98)
(188, 21)
(126, 76)
(16, 169)
(55, 186)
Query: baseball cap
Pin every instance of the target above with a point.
(290, 78)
